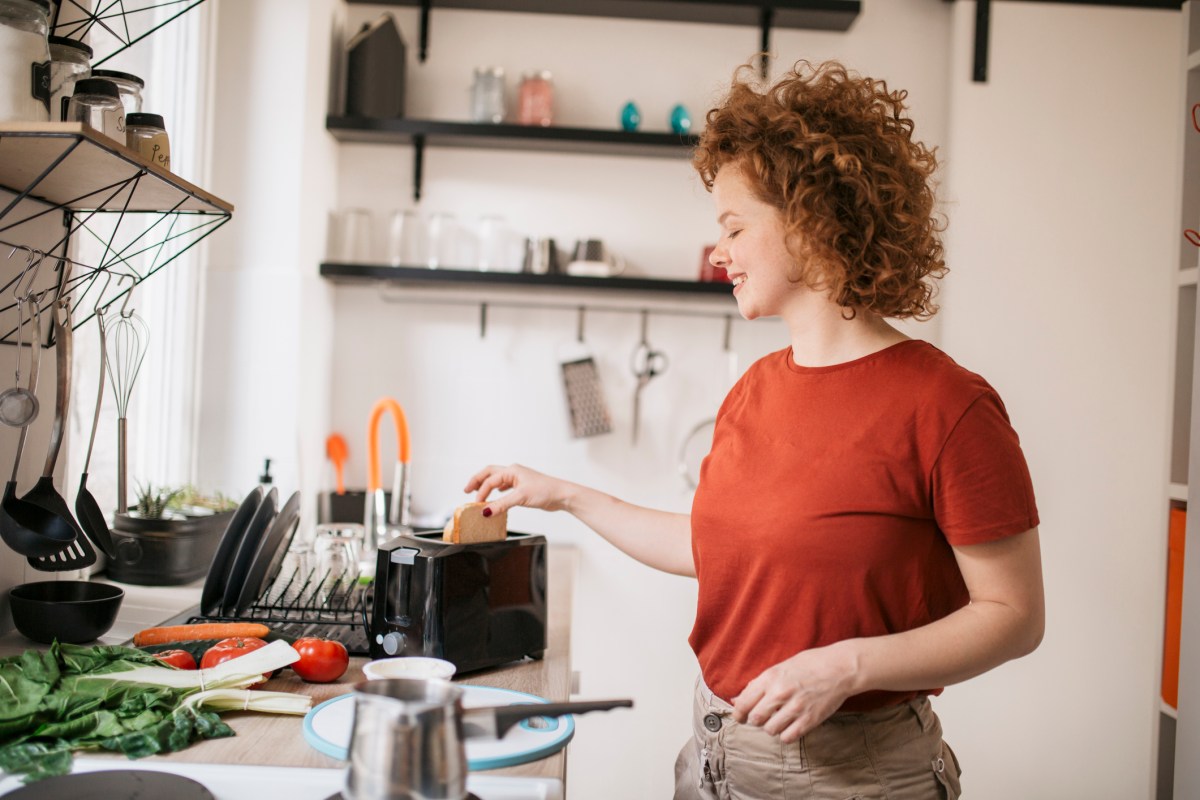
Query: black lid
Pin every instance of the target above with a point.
(43, 3)
(112, 73)
(153, 120)
(97, 86)
(67, 41)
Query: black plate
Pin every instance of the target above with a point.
(270, 553)
(214, 584)
(116, 784)
(248, 549)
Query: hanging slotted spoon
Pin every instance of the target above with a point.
(79, 553)
(29, 529)
(91, 518)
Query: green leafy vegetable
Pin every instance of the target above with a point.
(108, 698)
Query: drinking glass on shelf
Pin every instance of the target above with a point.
(492, 249)
(440, 240)
(354, 238)
(404, 239)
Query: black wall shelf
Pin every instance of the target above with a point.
(822, 15)
(828, 15)
(439, 133)
(420, 276)
(530, 138)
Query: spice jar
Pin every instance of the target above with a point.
(130, 87)
(147, 135)
(24, 61)
(97, 103)
(488, 103)
(70, 61)
(536, 100)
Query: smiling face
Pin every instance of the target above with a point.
(752, 248)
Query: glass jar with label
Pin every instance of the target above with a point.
(97, 104)
(488, 102)
(70, 61)
(24, 61)
(146, 134)
(130, 86)
(536, 100)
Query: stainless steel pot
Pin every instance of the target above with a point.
(407, 740)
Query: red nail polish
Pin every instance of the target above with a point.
(487, 512)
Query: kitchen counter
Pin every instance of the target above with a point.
(277, 740)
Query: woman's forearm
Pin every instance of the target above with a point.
(969, 642)
(658, 539)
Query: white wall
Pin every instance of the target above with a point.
(266, 350)
(1061, 181)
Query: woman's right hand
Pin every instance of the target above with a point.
(522, 487)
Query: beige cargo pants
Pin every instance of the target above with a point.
(895, 753)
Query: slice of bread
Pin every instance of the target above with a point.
(470, 526)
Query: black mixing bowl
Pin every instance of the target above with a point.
(69, 611)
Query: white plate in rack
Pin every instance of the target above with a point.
(327, 729)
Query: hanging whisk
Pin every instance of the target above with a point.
(127, 338)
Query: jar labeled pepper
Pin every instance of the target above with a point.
(147, 134)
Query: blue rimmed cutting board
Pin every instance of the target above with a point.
(327, 729)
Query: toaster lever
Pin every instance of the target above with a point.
(405, 555)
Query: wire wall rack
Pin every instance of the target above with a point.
(114, 26)
(138, 217)
(301, 602)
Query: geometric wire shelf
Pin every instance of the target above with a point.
(139, 216)
(115, 25)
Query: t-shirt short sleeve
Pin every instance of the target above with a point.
(981, 486)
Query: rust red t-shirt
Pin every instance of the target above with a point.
(829, 502)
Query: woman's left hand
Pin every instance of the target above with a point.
(791, 698)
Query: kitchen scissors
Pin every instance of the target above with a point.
(647, 363)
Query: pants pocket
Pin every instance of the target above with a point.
(947, 772)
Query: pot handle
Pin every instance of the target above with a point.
(508, 716)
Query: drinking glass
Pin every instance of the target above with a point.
(336, 548)
(492, 250)
(355, 236)
(440, 240)
(404, 239)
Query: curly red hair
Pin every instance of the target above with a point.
(833, 152)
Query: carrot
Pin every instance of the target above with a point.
(201, 630)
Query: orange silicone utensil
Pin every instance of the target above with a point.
(338, 452)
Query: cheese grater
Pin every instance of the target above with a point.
(585, 398)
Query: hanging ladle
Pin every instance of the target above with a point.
(27, 528)
(18, 405)
(91, 518)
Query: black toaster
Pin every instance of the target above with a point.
(475, 605)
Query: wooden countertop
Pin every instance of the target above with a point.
(277, 740)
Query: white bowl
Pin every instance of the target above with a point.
(408, 667)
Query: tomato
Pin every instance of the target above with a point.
(228, 649)
(177, 658)
(321, 660)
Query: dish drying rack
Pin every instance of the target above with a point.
(302, 603)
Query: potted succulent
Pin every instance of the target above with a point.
(169, 537)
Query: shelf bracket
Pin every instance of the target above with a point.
(766, 17)
(983, 13)
(418, 165)
(423, 43)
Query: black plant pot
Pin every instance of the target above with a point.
(165, 552)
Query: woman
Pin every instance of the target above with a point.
(864, 532)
